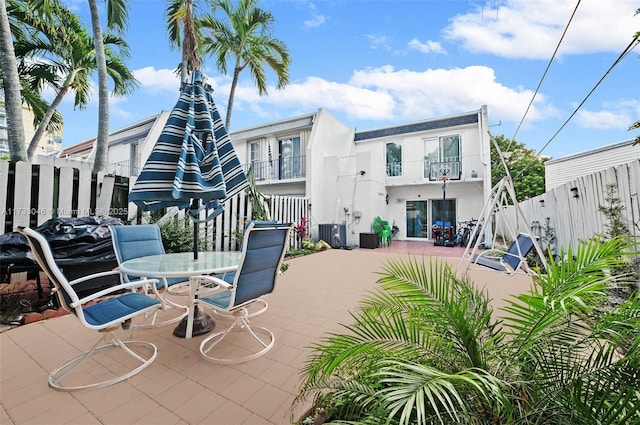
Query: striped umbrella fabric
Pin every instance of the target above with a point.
(192, 159)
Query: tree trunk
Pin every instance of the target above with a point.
(102, 138)
(234, 83)
(35, 140)
(12, 90)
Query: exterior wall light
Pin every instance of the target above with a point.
(574, 191)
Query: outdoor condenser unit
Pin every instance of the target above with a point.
(333, 234)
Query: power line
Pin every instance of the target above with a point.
(634, 43)
(544, 74)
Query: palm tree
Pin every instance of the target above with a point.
(69, 60)
(245, 37)
(117, 17)
(11, 86)
(426, 349)
(184, 34)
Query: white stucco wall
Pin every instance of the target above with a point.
(468, 192)
(329, 142)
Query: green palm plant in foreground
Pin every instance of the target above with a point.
(426, 347)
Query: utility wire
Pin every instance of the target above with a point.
(544, 74)
(634, 43)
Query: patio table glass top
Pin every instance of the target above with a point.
(182, 264)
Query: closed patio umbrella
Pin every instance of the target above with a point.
(193, 164)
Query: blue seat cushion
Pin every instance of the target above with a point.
(117, 308)
(221, 300)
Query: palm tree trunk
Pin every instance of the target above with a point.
(234, 83)
(102, 138)
(46, 119)
(12, 89)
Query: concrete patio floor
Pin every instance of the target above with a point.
(311, 299)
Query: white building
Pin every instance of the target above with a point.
(562, 170)
(353, 176)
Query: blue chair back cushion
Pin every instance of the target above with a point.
(513, 255)
(259, 268)
(139, 241)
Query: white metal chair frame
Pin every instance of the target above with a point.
(70, 301)
(502, 195)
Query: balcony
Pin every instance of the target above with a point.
(290, 168)
(417, 172)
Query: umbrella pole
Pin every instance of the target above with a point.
(202, 322)
(195, 204)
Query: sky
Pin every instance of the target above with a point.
(378, 63)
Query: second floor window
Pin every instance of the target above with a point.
(255, 158)
(394, 159)
(442, 150)
(290, 158)
(254, 152)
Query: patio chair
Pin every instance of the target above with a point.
(512, 259)
(383, 230)
(240, 299)
(104, 311)
(137, 241)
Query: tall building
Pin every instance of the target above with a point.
(49, 143)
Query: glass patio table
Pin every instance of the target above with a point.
(182, 264)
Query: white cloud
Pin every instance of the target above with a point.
(317, 19)
(158, 80)
(428, 46)
(393, 95)
(379, 41)
(619, 115)
(532, 29)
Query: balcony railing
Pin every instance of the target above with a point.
(416, 172)
(294, 167)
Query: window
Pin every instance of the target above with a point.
(442, 156)
(133, 159)
(394, 159)
(450, 147)
(290, 159)
(416, 217)
(443, 211)
(255, 158)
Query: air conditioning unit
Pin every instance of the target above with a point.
(333, 234)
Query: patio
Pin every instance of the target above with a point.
(312, 298)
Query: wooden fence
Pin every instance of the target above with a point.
(572, 209)
(31, 194)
